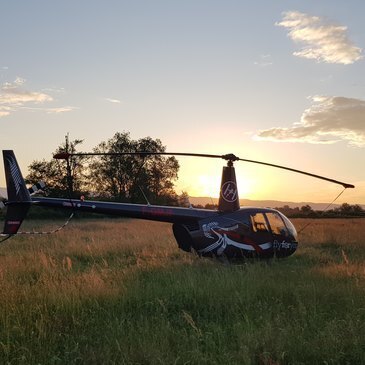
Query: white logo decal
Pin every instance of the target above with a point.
(285, 245)
(229, 191)
(223, 241)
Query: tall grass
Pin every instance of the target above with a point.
(120, 292)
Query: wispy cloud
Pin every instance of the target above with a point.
(51, 110)
(264, 61)
(13, 96)
(58, 90)
(322, 40)
(115, 101)
(60, 110)
(330, 119)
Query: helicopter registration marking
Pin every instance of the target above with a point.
(159, 212)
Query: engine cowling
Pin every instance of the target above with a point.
(183, 237)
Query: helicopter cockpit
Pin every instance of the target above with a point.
(273, 222)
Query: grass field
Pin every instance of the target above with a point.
(120, 292)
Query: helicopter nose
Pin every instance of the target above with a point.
(284, 248)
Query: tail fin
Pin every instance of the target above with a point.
(19, 199)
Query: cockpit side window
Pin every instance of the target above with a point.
(258, 222)
(277, 225)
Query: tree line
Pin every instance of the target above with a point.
(135, 179)
(306, 211)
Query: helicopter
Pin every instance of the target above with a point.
(229, 232)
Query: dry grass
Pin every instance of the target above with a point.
(335, 231)
(86, 260)
(337, 244)
(121, 292)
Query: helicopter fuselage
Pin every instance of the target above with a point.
(246, 233)
(230, 231)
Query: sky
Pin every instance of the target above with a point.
(275, 81)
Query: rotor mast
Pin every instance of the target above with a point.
(228, 197)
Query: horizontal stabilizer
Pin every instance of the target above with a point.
(36, 187)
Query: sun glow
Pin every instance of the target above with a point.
(245, 187)
(209, 186)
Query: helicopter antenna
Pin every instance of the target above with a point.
(190, 205)
(144, 195)
(324, 210)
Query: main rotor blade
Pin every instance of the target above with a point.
(65, 155)
(228, 157)
(345, 185)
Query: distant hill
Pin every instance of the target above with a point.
(243, 202)
(262, 203)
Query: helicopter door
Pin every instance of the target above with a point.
(260, 228)
(277, 226)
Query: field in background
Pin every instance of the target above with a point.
(120, 292)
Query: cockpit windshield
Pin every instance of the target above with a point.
(289, 225)
(273, 222)
(277, 225)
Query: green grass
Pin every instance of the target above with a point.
(120, 292)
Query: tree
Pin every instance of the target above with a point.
(348, 209)
(184, 200)
(306, 210)
(289, 212)
(62, 178)
(125, 177)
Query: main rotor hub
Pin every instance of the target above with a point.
(230, 157)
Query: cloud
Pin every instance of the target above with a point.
(330, 119)
(264, 61)
(13, 96)
(4, 111)
(323, 41)
(115, 101)
(60, 90)
(60, 110)
(52, 110)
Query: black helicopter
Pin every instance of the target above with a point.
(229, 232)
